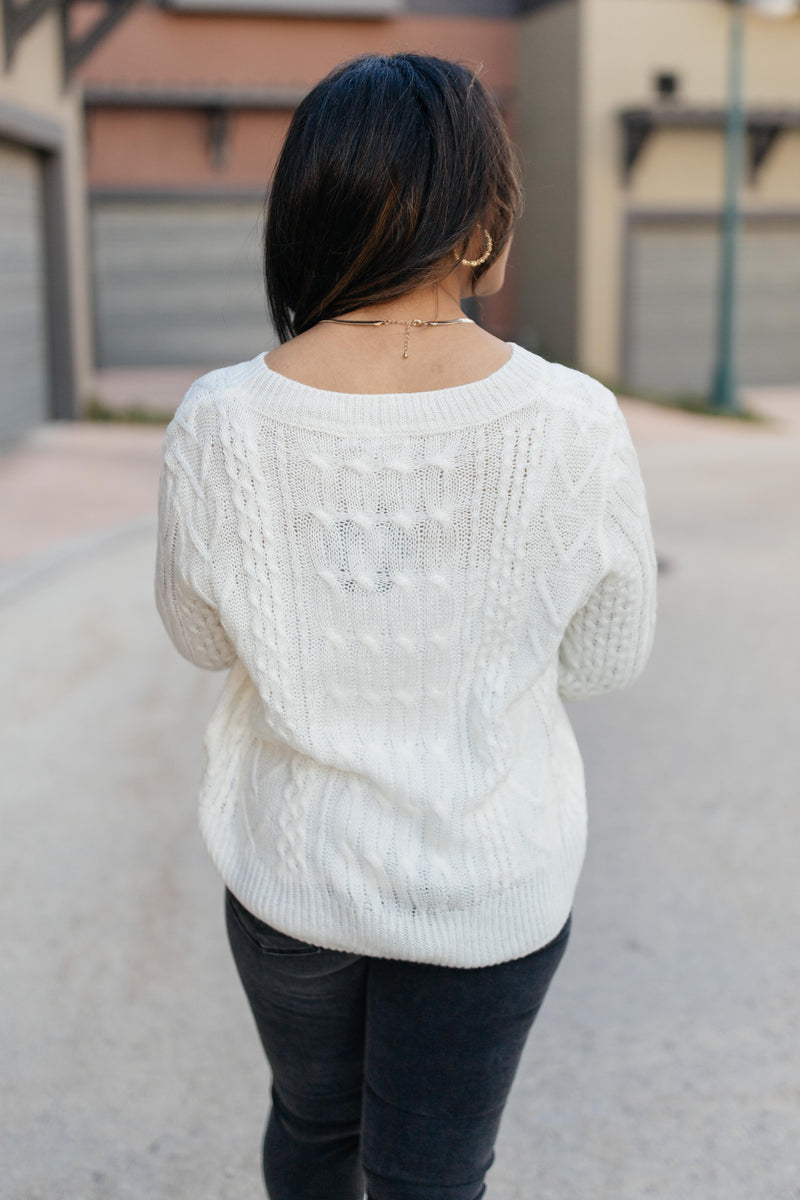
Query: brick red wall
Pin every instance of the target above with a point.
(157, 46)
(168, 149)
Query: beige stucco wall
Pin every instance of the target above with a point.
(545, 250)
(624, 43)
(33, 83)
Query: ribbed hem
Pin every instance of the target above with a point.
(504, 926)
(507, 388)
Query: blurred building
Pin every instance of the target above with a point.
(141, 248)
(45, 343)
(187, 104)
(621, 107)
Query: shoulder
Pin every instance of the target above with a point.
(568, 388)
(207, 397)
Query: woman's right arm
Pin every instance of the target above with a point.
(183, 592)
(608, 641)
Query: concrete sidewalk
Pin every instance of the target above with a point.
(71, 486)
(664, 1063)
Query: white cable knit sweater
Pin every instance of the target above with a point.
(405, 587)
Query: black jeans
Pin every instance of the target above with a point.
(387, 1075)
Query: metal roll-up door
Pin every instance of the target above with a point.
(24, 384)
(178, 282)
(673, 297)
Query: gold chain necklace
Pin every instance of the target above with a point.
(408, 324)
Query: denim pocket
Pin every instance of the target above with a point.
(267, 939)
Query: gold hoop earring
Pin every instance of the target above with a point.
(478, 262)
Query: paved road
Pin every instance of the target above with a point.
(665, 1061)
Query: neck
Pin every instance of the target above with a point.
(435, 302)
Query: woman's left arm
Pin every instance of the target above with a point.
(183, 591)
(607, 643)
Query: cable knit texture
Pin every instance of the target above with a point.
(405, 588)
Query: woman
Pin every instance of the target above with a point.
(410, 541)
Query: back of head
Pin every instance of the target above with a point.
(389, 166)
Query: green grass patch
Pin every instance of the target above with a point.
(95, 409)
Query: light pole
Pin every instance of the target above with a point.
(724, 387)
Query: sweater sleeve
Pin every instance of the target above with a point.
(182, 578)
(608, 641)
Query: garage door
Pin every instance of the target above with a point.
(178, 283)
(672, 304)
(23, 346)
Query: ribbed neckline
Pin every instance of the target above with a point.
(288, 400)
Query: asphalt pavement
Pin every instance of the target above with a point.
(665, 1061)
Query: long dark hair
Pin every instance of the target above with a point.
(389, 166)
